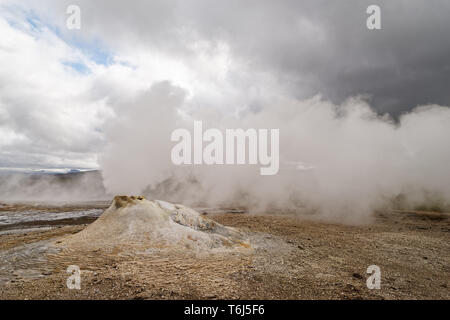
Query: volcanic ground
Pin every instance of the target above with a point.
(173, 252)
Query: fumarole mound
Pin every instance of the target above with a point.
(137, 223)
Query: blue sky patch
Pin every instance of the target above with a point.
(79, 67)
(92, 49)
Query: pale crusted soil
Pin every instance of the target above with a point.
(291, 258)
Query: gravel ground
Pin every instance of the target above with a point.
(290, 258)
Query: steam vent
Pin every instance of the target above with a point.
(136, 223)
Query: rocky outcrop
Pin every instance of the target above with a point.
(138, 223)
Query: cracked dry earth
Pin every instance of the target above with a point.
(289, 258)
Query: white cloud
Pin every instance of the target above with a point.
(59, 88)
(57, 91)
(48, 116)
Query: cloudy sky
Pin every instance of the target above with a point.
(60, 89)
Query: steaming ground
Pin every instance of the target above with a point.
(341, 162)
(139, 224)
(284, 256)
(344, 166)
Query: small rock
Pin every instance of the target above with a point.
(357, 276)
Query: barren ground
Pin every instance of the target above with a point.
(292, 258)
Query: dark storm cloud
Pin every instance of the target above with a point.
(310, 46)
(324, 46)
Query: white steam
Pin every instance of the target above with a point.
(338, 161)
(51, 188)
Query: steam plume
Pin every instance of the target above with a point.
(338, 161)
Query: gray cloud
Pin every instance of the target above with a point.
(312, 46)
(52, 117)
(324, 46)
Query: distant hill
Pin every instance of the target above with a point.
(52, 186)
